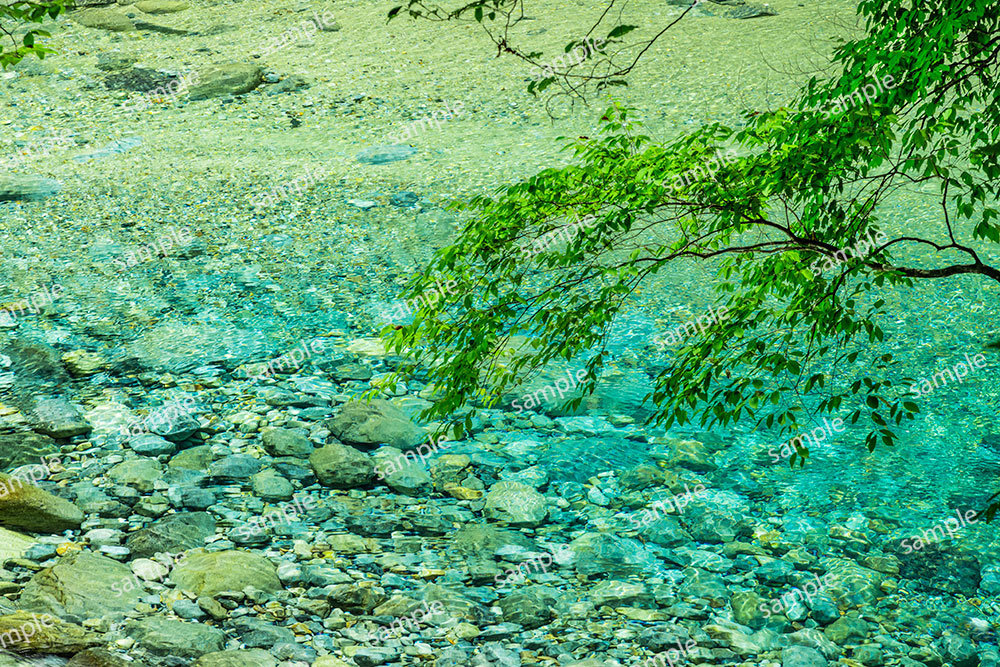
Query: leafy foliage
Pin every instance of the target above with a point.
(19, 39)
(807, 183)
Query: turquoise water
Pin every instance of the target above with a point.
(224, 266)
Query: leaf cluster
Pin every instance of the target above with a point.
(19, 36)
(807, 184)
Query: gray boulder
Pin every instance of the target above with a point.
(166, 637)
(369, 424)
(173, 423)
(476, 539)
(530, 608)
(82, 584)
(231, 79)
(621, 594)
(611, 556)
(412, 481)
(665, 532)
(212, 572)
(57, 417)
(286, 442)
(173, 533)
(342, 467)
(151, 445)
(140, 473)
(269, 485)
(113, 19)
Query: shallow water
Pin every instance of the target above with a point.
(144, 321)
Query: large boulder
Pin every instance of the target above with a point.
(173, 533)
(211, 572)
(161, 6)
(80, 584)
(114, 19)
(746, 609)
(410, 481)
(24, 505)
(151, 445)
(199, 457)
(57, 417)
(703, 584)
(270, 486)
(286, 442)
(373, 423)
(665, 531)
(174, 422)
(342, 467)
(32, 361)
(530, 607)
(517, 504)
(140, 473)
(851, 585)
(163, 636)
(232, 79)
(34, 633)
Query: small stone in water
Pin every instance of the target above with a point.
(385, 154)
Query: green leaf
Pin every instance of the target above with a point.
(620, 30)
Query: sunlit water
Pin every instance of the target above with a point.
(331, 262)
